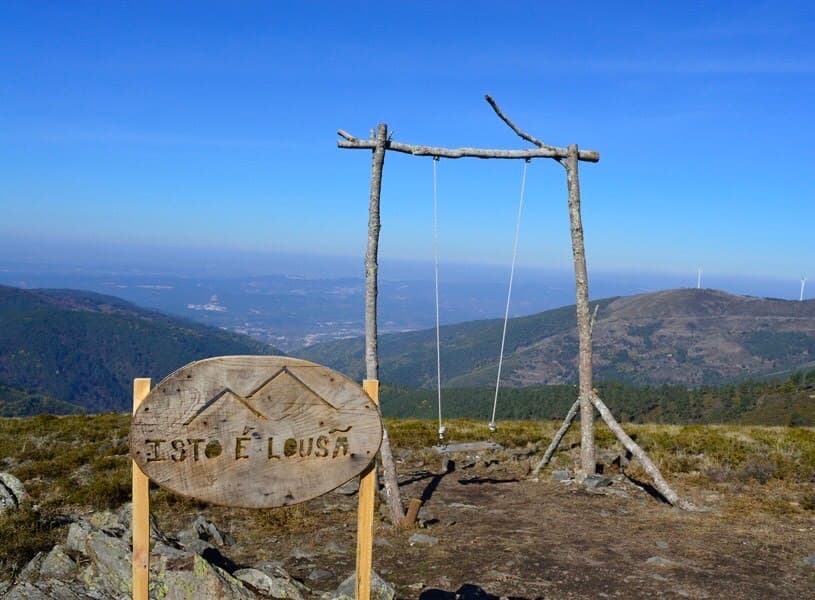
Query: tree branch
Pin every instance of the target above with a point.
(593, 317)
(515, 128)
(353, 143)
(345, 135)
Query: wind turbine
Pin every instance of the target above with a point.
(699, 278)
(803, 282)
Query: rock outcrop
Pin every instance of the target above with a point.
(95, 562)
(12, 492)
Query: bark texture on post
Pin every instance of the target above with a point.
(395, 507)
(587, 454)
(659, 482)
(372, 256)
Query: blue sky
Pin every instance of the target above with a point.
(213, 126)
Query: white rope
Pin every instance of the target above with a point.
(509, 295)
(442, 428)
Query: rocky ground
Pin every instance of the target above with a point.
(485, 531)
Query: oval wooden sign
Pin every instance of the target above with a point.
(255, 431)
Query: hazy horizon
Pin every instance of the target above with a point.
(214, 126)
(61, 258)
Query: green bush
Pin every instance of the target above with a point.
(26, 531)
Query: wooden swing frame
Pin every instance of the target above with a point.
(588, 400)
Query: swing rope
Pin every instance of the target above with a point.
(442, 428)
(509, 295)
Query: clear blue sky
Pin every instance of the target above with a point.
(212, 125)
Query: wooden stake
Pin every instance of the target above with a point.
(140, 525)
(365, 513)
(413, 512)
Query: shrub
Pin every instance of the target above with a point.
(25, 532)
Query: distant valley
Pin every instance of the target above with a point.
(291, 312)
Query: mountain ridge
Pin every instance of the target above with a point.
(85, 348)
(684, 336)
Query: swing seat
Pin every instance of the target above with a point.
(467, 447)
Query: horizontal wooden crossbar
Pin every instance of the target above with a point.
(354, 143)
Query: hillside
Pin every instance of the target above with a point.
(15, 402)
(85, 348)
(686, 336)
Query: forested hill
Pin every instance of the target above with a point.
(789, 402)
(15, 402)
(686, 336)
(468, 349)
(85, 349)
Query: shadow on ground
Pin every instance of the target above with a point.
(468, 591)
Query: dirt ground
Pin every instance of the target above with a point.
(495, 533)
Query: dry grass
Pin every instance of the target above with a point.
(766, 469)
(414, 434)
(76, 464)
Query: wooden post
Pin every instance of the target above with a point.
(397, 511)
(365, 514)
(140, 525)
(581, 278)
(413, 512)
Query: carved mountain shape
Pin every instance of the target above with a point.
(277, 386)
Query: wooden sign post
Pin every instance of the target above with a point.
(141, 510)
(256, 432)
(365, 513)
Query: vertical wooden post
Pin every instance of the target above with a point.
(140, 525)
(372, 256)
(365, 513)
(587, 458)
(397, 511)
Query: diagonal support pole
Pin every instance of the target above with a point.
(660, 484)
(567, 422)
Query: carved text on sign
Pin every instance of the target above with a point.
(179, 450)
(255, 431)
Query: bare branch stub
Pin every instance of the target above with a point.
(594, 317)
(529, 138)
(513, 126)
(346, 135)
